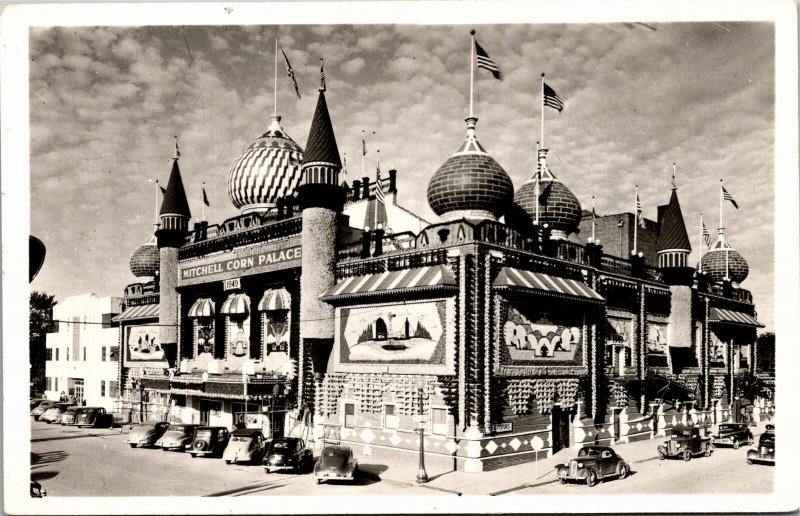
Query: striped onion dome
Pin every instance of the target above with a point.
(470, 184)
(145, 260)
(558, 206)
(267, 170)
(722, 260)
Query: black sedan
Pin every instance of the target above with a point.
(594, 463)
(287, 453)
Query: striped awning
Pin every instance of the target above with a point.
(510, 278)
(275, 299)
(203, 307)
(236, 304)
(408, 280)
(138, 312)
(723, 315)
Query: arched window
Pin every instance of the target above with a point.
(380, 330)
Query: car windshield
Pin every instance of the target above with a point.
(766, 439)
(241, 439)
(281, 445)
(583, 452)
(334, 458)
(180, 428)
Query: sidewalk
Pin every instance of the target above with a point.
(402, 468)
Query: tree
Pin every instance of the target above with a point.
(765, 349)
(41, 322)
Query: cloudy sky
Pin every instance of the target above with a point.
(106, 103)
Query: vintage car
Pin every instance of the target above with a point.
(147, 433)
(177, 437)
(37, 491)
(70, 416)
(593, 464)
(336, 463)
(766, 448)
(288, 453)
(39, 409)
(53, 414)
(685, 442)
(96, 417)
(733, 434)
(209, 440)
(34, 402)
(245, 445)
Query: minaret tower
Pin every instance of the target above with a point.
(673, 247)
(171, 235)
(321, 200)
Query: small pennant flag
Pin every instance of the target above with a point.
(729, 197)
(639, 214)
(673, 183)
(290, 73)
(363, 145)
(177, 150)
(706, 236)
(551, 98)
(344, 164)
(486, 62)
(321, 77)
(163, 190)
(205, 198)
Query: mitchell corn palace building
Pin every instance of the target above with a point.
(325, 309)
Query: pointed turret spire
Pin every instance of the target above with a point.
(321, 147)
(175, 202)
(321, 163)
(673, 229)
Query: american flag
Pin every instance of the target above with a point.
(378, 184)
(205, 198)
(639, 214)
(551, 98)
(321, 77)
(486, 62)
(290, 73)
(363, 145)
(706, 236)
(729, 197)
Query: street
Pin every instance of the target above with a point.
(69, 461)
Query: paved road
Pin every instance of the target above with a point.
(85, 462)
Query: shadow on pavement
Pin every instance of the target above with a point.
(62, 438)
(43, 475)
(48, 457)
(262, 486)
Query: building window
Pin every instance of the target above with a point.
(349, 415)
(103, 354)
(55, 381)
(67, 355)
(56, 354)
(84, 354)
(48, 383)
(102, 387)
(49, 354)
(439, 421)
(113, 389)
(390, 416)
(113, 352)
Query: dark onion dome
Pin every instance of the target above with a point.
(714, 262)
(266, 171)
(175, 202)
(470, 184)
(145, 260)
(558, 206)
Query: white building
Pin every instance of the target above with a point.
(82, 356)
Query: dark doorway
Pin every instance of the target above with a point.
(380, 330)
(560, 428)
(615, 420)
(206, 406)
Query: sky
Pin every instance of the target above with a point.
(107, 102)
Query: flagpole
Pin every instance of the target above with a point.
(363, 155)
(542, 135)
(700, 247)
(538, 183)
(275, 112)
(635, 219)
(674, 184)
(720, 203)
(158, 187)
(593, 219)
(471, 72)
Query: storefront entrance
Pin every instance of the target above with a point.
(206, 408)
(560, 423)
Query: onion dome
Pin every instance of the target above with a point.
(722, 261)
(267, 170)
(673, 245)
(145, 260)
(470, 184)
(558, 206)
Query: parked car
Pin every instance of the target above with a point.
(39, 409)
(35, 402)
(685, 442)
(336, 463)
(245, 445)
(96, 417)
(766, 448)
(209, 440)
(147, 433)
(593, 464)
(177, 437)
(53, 414)
(37, 491)
(288, 453)
(733, 434)
(70, 416)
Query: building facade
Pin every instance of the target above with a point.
(83, 354)
(325, 310)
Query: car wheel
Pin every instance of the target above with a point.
(228, 461)
(319, 481)
(708, 451)
(687, 455)
(562, 480)
(736, 444)
(591, 479)
(623, 471)
(661, 456)
(194, 455)
(749, 462)
(164, 449)
(133, 445)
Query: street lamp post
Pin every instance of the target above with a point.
(422, 475)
